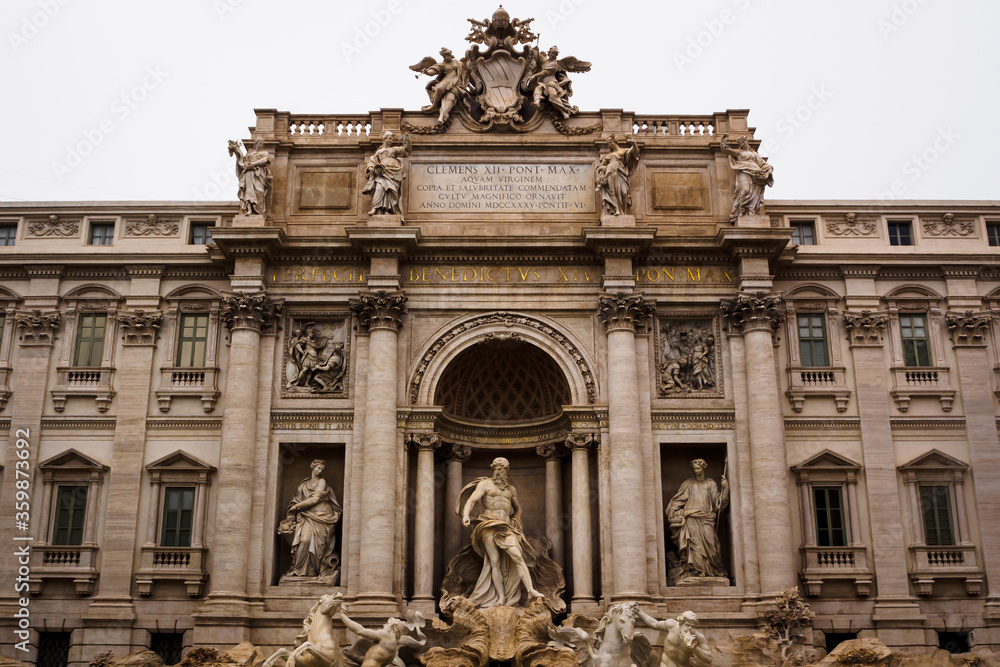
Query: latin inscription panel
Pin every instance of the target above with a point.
(473, 187)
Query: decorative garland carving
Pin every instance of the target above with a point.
(623, 310)
(249, 311)
(151, 226)
(37, 328)
(752, 312)
(948, 226)
(508, 320)
(424, 441)
(851, 226)
(140, 327)
(865, 328)
(969, 328)
(582, 441)
(439, 128)
(380, 310)
(54, 227)
(568, 131)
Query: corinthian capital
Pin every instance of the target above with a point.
(380, 310)
(623, 310)
(139, 327)
(866, 327)
(37, 328)
(249, 311)
(752, 312)
(969, 328)
(582, 440)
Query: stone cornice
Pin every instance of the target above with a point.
(850, 423)
(303, 420)
(248, 241)
(44, 270)
(384, 241)
(618, 241)
(698, 421)
(379, 310)
(79, 423)
(969, 328)
(752, 312)
(930, 424)
(865, 328)
(623, 311)
(145, 270)
(249, 311)
(184, 423)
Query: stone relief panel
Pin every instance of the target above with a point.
(316, 355)
(688, 360)
(851, 226)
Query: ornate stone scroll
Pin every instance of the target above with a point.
(36, 327)
(851, 226)
(249, 311)
(54, 227)
(866, 327)
(948, 226)
(969, 328)
(316, 359)
(623, 310)
(752, 172)
(253, 170)
(749, 312)
(688, 361)
(380, 310)
(139, 327)
(151, 226)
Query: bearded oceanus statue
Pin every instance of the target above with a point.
(501, 567)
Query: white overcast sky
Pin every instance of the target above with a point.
(851, 97)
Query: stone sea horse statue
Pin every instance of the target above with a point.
(614, 642)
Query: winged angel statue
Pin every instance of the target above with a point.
(502, 85)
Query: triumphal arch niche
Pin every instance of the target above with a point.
(503, 390)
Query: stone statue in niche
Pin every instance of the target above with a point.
(752, 174)
(384, 171)
(687, 358)
(449, 86)
(315, 358)
(253, 171)
(611, 176)
(309, 525)
(693, 516)
(501, 567)
(682, 641)
(552, 76)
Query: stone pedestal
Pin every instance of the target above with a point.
(242, 220)
(753, 221)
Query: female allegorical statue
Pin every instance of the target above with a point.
(612, 175)
(752, 174)
(312, 516)
(384, 171)
(254, 174)
(693, 518)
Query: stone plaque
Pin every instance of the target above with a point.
(325, 189)
(501, 188)
(680, 190)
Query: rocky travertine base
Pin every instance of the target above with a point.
(244, 655)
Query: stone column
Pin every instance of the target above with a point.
(553, 499)
(383, 313)
(621, 313)
(755, 317)
(423, 529)
(245, 314)
(583, 541)
(897, 617)
(354, 464)
(974, 368)
(453, 487)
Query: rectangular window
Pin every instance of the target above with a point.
(935, 506)
(803, 232)
(201, 233)
(916, 345)
(831, 528)
(992, 233)
(53, 649)
(71, 511)
(812, 340)
(167, 645)
(899, 232)
(90, 340)
(178, 515)
(102, 233)
(193, 340)
(8, 233)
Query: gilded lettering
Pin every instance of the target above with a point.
(441, 273)
(339, 279)
(425, 274)
(671, 273)
(694, 276)
(414, 276)
(465, 275)
(562, 274)
(649, 274)
(300, 274)
(488, 277)
(639, 273)
(454, 273)
(523, 272)
(537, 275)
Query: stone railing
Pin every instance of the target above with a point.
(181, 564)
(176, 381)
(835, 563)
(933, 381)
(75, 563)
(945, 562)
(343, 127)
(90, 381)
(828, 382)
(673, 126)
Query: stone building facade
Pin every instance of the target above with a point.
(171, 370)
